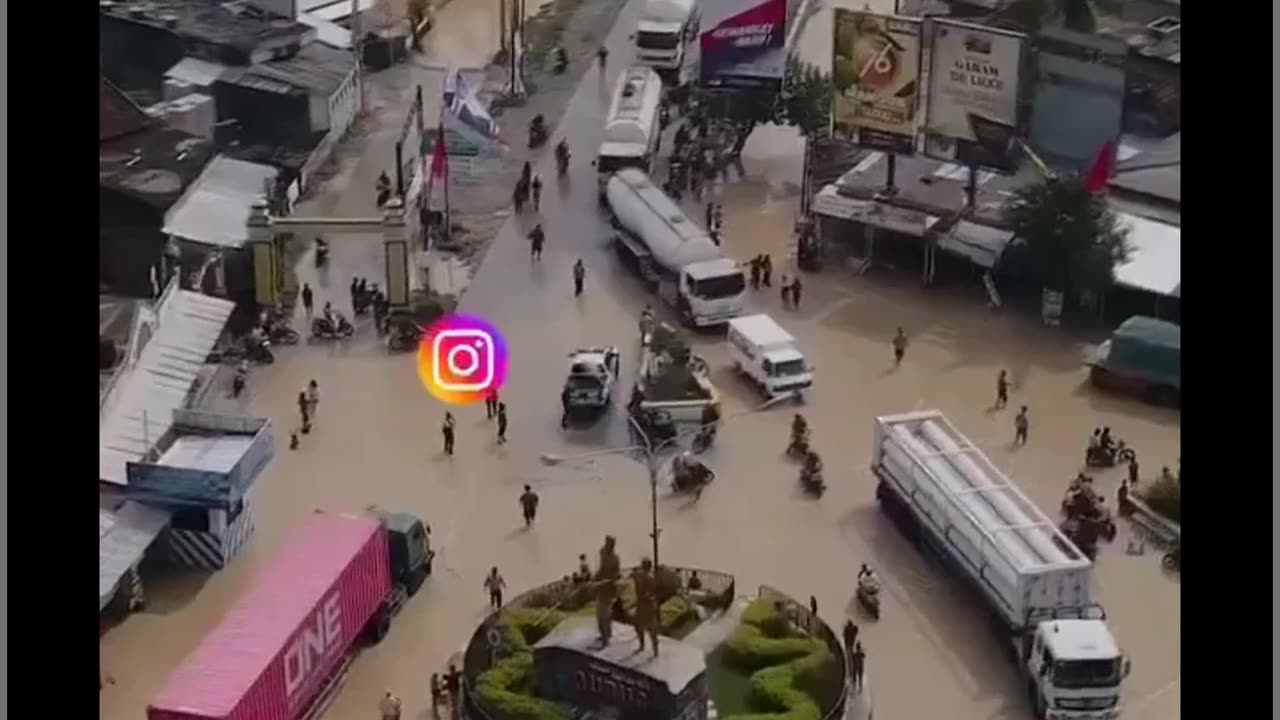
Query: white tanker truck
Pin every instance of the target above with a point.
(672, 253)
(945, 494)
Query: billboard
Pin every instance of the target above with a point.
(743, 43)
(1079, 97)
(972, 108)
(876, 71)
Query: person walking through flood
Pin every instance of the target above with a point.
(579, 275)
(1002, 389)
(304, 408)
(446, 429)
(490, 403)
(529, 506)
(785, 292)
(437, 695)
(495, 585)
(850, 640)
(537, 193)
(307, 300)
(796, 287)
(766, 270)
(899, 347)
(390, 706)
(537, 238)
(502, 423)
(1020, 426)
(857, 661)
(313, 397)
(756, 266)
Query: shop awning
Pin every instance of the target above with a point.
(982, 244)
(1155, 263)
(830, 202)
(123, 538)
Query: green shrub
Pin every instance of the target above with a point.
(1164, 496)
(506, 691)
(793, 671)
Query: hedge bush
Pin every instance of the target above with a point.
(790, 668)
(506, 689)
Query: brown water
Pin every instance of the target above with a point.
(376, 442)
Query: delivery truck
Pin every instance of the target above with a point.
(950, 498)
(282, 651)
(672, 253)
(768, 356)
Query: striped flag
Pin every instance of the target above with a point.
(465, 115)
(437, 170)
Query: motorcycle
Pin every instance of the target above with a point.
(1102, 456)
(258, 350)
(559, 60)
(282, 333)
(703, 440)
(1172, 560)
(812, 481)
(694, 479)
(404, 334)
(340, 328)
(537, 132)
(868, 595)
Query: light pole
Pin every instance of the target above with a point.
(652, 454)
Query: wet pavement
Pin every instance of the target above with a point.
(377, 441)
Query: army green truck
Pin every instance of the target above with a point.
(1143, 357)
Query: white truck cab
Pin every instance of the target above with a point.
(1074, 669)
(665, 28)
(767, 354)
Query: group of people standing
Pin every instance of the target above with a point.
(308, 403)
(493, 409)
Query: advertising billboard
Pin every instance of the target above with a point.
(876, 71)
(972, 108)
(743, 43)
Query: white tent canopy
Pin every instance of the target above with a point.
(1155, 263)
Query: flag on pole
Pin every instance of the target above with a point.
(467, 116)
(1103, 166)
(437, 171)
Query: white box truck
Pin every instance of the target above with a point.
(948, 496)
(767, 354)
(672, 253)
(631, 130)
(666, 27)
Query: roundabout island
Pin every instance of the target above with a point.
(643, 644)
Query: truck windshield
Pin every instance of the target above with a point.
(788, 368)
(715, 288)
(657, 40)
(609, 164)
(1086, 673)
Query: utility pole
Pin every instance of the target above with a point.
(502, 24)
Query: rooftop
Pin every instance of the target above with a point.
(232, 25)
(1149, 29)
(317, 68)
(215, 210)
(1153, 171)
(154, 165)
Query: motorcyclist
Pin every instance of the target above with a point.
(1105, 440)
(327, 313)
(537, 127)
(867, 580)
(560, 56)
(647, 319)
(812, 464)
(1095, 440)
(322, 250)
(562, 155)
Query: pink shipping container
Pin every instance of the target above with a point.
(273, 651)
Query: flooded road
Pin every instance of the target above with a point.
(377, 441)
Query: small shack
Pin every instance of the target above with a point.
(571, 666)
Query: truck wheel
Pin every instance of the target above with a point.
(378, 627)
(416, 578)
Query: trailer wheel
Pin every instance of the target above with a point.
(416, 578)
(379, 625)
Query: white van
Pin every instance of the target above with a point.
(665, 28)
(631, 130)
(768, 355)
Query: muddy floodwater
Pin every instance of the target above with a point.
(377, 442)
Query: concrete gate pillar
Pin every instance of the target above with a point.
(400, 258)
(265, 258)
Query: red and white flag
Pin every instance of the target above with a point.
(1103, 167)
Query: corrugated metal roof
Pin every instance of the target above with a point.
(212, 453)
(123, 537)
(143, 405)
(195, 71)
(316, 69)
(980, 243)
(329, 33)
(1155, 265)
(215, 210)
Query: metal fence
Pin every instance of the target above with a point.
(480, 654)
(800, 616)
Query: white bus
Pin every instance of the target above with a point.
(631, 131)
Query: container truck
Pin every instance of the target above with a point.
(282, 651)
(672, 253)
(948, 496)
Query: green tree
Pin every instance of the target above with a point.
(805, 101)
(1069, 239)
(1079, 15)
